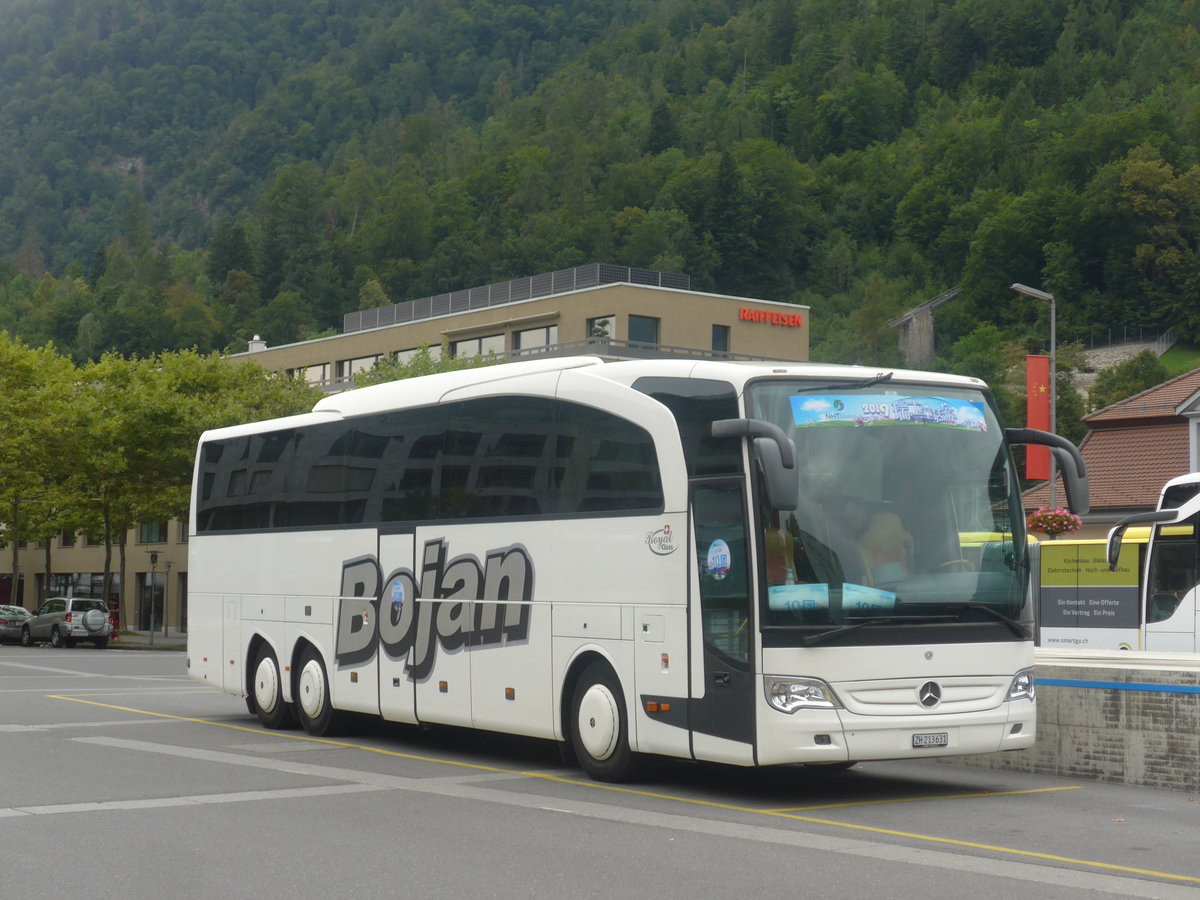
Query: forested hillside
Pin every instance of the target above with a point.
(189, 172)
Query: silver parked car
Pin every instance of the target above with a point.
(64, 620)
(11, 620)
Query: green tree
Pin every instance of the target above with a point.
(986, 353)
(143, 418)
(663, 133)
(372, 295)
(1125, 379)
(229, 250)
(287, 318)
(35, 402)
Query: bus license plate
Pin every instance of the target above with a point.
(932, 739)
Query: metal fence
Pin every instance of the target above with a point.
(544, 285)
(1133, 334)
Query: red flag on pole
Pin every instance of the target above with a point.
(1037, 414)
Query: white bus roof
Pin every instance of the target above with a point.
(1189, 478)
(430, 389)
(739, 372)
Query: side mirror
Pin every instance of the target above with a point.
(776, 454)
(781, 483)
(1069, 459)
(1112, 551)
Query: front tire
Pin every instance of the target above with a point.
(599, 725)
(26, 637)
(267, 691)
(313, 707)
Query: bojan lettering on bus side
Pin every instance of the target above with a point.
(478, 612)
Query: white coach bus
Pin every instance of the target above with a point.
(1164, 615)
(749, 563)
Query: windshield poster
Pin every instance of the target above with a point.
(887, 409)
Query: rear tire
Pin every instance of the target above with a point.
(100, 643)
(56, 638)
(313, 708)
(599, 725)
(267, 691)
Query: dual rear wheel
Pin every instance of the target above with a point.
(310, 692)
(266, 693)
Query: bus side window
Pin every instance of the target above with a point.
(1172, 575)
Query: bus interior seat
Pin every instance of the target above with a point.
(1162, 606)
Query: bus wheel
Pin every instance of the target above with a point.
(312, 696)
(599, 727)
(267, 691)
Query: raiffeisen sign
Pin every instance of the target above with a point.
(771, 317)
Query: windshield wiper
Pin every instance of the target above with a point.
(1017, 628)
(810, 640)
(878, 378)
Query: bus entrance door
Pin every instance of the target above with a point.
(721, 711)
(397, 691)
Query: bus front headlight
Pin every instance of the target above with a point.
(790, 694)
(1022, 686)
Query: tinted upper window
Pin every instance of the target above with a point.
(696, 403)
(499, 457)
(1178, 494)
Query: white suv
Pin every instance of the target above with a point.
(65, 620)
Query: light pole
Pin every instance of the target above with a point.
(153, 580)
(166, 585)
(1049, 298)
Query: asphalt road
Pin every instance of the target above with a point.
(122, 778)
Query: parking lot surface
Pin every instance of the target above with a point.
(170, 781)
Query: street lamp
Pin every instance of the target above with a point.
(166, 584)
(1049, 298)
(153, 580)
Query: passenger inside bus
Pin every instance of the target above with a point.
(886, 548)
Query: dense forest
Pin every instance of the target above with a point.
(189, 172)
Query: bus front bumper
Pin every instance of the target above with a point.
(826, 736)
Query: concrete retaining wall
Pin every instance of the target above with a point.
(1129, 718)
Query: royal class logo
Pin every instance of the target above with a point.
(661, 542)
(469, 603)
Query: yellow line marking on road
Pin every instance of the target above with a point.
(783, 809)
(328, 742)
(729, 807)
(132, 694)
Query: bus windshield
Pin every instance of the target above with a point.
(908, 513)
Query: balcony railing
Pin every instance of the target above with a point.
(545, 285)
(610, 348)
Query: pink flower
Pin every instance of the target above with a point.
(1053, 521)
